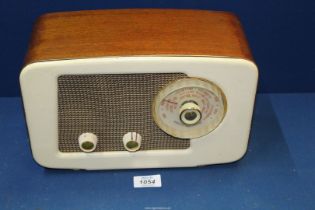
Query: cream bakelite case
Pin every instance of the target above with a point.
(235, 78)
(228, 142)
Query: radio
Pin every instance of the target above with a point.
(138, 88)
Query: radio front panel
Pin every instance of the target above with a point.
(109, 106)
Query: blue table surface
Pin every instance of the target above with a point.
(278, 171)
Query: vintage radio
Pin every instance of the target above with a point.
(138, 88)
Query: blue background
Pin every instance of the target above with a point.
(281, 35)
(276, 173)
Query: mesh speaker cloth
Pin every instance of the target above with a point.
(110, 105)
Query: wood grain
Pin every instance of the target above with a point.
(133, 32)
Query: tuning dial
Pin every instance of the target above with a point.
(189, 108)
(190, 113)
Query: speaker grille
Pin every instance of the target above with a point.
(110, 105)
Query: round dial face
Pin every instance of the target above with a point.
(189, 108)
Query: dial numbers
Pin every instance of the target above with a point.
(200, 101)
